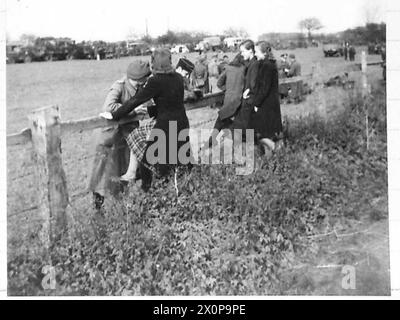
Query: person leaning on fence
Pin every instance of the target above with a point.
(112, 153)
(231, 82)
(266, 118)
(138, 138)
(166, 88)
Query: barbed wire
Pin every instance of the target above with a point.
(17, 213)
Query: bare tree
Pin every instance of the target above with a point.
(310, 24)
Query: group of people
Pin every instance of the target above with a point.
(349, 52)
(251, 101)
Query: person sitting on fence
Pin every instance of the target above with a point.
(166, 87)
(111, 156)
(199, 76)
(295, 67)
(283, 65)
(138, 138)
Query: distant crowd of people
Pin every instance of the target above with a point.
(251, 101)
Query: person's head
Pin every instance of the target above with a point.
(292, 58)
(247, 49)
(225, 58)
(262, 50)
(138, 72)
(283, 57)
(237, 61)
(184, 67)
(161, 61)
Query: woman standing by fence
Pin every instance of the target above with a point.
(266, 118)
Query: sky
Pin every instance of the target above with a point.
(114, 20)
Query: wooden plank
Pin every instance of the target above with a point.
(23, 137)
(50, 176)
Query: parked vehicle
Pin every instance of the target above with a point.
(15, 53)
(332, 50)
(138, 48)
(180, 48)
(213, 43)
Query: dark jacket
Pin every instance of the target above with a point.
(295, 70)
(250, 81)
(267, 120)
(232, 82)
(167, 91)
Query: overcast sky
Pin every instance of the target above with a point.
(113, 20)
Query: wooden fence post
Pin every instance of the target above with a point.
(365, 92)
(50, 175)
(318, 87)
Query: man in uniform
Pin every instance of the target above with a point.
(112, 153)
(295, 90)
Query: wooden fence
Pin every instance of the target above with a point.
(45, 134)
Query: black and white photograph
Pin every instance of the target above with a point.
(196, 148)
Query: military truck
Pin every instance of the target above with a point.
(83, 50)
(138, 48)
(332, 50)
(50, 48)
(15, 53)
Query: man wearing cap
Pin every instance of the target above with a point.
(112, 155)
(295, 67)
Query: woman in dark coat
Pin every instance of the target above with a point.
(243, 118)
(231, 81)
(266, 118)
(166, 88)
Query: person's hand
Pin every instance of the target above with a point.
(106, 115)
(255, 109)
(246, 94)
(142, 109)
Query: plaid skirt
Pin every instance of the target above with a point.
(137, 141)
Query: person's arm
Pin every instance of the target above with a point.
(113, 99)
(221, 82)
(264, 85)
(149, 91)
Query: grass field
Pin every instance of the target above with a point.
(79, 88)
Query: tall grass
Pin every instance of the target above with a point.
(224, 234)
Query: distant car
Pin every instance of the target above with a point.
(180, 48)
(332, 50)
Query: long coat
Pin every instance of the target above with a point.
(112, 153)
(250, 82)
(267, 121)
(232, 82)
(167, 91)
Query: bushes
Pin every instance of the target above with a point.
(224, 234)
